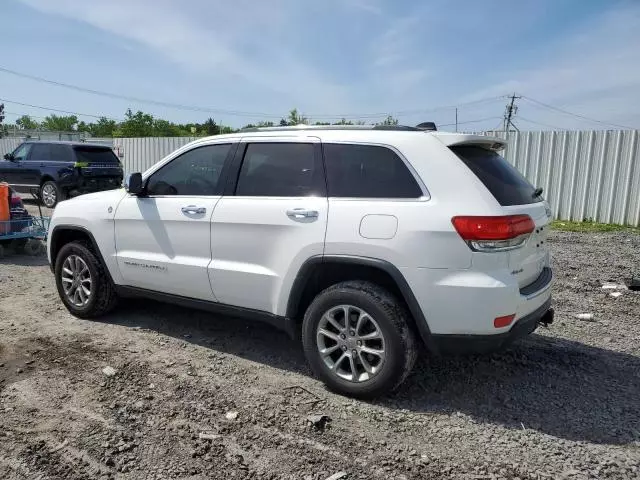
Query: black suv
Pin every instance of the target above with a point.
(61, 169)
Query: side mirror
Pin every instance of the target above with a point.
(8, 156)
(134, 184)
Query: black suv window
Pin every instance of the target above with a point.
(280, 170)
(90, 154)
(40, 151)
(195, 172)
(60, 153)
(505, 183)
(367, 171)
(21, 152)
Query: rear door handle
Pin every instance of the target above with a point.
(193, 210)
(302, 213)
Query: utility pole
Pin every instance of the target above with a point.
(456, 119)
(510, 112)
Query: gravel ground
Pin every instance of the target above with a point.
(194, 396)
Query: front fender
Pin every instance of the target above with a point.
(94, 214)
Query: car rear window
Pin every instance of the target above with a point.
(95, 155)
(505, 183)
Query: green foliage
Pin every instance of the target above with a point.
(26, 123)
(588, 226)
(60, 123)
(141, 124)
(389, 121)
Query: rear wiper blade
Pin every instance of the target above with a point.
(537, 192)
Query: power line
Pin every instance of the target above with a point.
(468, 121)
(541, 123)
(566, 112)
(193, 108)
(57, 110)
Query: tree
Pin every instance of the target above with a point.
(60, 123)
(296, 118)
(283, 122)
(389, 121)
(137, 124)
(343, 121)
(26, 123)
(210, 127)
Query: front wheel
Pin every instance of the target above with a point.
(82, 281)
(357, 339)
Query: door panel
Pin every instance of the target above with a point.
(257, 248)
(160, 247)
(163, 239)
(270, 223)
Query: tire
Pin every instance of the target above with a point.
(18, 245)
(102, 297)
(389, 318)
(51, 194)
(34, 248)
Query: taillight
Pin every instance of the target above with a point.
(494, 234)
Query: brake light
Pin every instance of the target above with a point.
(494, 234)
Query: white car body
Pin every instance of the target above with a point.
(247, 252)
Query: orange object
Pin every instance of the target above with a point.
(4, 208)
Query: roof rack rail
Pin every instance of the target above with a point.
(426, 126)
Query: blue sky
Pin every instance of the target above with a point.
(364, 58)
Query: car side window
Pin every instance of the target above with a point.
(21, 152)
(40, 151)
(59, 153)
(367, 171)
(196, 172)
(280, 170)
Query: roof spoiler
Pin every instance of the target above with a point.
(427, 126)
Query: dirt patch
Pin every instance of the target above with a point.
(191, 395)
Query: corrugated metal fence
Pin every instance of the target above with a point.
(591, 175)
(138, 154)
(586, 175)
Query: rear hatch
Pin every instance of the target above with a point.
(517, 197)
(97, 161)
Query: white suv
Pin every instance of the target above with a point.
(364, 241)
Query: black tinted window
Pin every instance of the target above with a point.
(95, 155)
(59, 153)
(195, 172)
(367, 171)
(279, 170)
(40, 151)
(504, 182)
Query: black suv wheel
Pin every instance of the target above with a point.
(51, 194)
(357, 339)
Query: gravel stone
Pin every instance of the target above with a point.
(562, 403)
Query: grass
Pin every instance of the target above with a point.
(591, 227)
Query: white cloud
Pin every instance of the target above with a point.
(229, 41)
(593, 72)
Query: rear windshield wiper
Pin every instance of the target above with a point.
(537, 192)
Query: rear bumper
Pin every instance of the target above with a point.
(465, 344)
(81, 184)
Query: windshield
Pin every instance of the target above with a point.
(95, 155)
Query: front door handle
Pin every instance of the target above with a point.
(193, 210)
(302, 213)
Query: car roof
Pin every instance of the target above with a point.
(358, 133)
(69, 142)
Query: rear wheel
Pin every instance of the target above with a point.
(51, 194)
(82, 281)
(357, 339)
